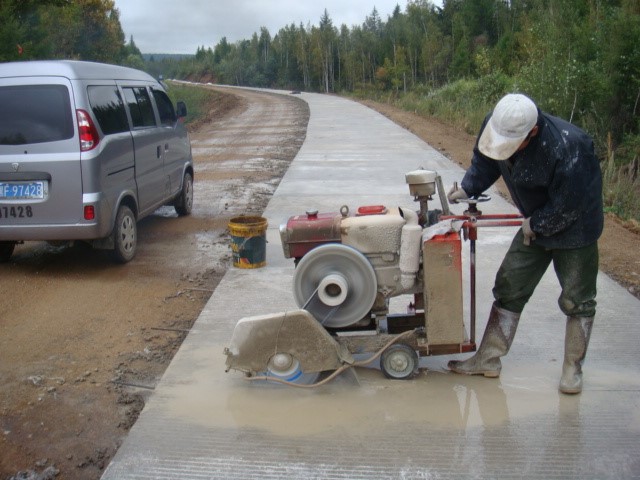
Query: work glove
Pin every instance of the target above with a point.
(528, 233)
(456, 194)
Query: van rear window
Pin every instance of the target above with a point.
(108, 108)
(35, 114)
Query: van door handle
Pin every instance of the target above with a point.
(166, 147)
(158, 151)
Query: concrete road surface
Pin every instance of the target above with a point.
(204, 423)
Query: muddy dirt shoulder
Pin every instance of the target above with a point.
(84, 341)
(618, 246)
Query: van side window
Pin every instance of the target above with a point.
(139, 104)
(35, 114)
(165, 108)
(108, 108)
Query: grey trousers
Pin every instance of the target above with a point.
(523, 266)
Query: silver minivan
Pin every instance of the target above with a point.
(87, 150)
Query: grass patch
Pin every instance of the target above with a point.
(621, 181)
(198, 100)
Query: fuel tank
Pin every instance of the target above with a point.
(303, 233)
(372, 229)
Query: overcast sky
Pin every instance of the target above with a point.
(181, 26)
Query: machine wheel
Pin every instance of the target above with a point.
(184, 202)
(336, 284)
(125, 235)
(287, 367)
(399, 362)
(6, 250)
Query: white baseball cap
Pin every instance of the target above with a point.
(513, 117)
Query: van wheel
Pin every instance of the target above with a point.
(125, 235)
(184, 202)
(6, 250)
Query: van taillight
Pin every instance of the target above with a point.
(89, 212)
(88, 134)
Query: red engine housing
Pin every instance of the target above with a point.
(303, 233)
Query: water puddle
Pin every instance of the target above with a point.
(435, 397)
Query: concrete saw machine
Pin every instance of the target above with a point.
(348, 267)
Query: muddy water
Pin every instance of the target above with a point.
(435, 397)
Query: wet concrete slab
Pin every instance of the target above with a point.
(204, 423)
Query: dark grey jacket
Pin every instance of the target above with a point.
(555, 180)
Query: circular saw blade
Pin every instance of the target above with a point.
(289, 370)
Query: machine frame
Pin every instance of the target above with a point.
(382, 331)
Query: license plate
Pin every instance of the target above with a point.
(16, 211)
(23, 190)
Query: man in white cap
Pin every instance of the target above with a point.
(554, 178)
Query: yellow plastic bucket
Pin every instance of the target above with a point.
(248, 241)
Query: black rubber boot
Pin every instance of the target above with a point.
(497, 339)
(576, 341)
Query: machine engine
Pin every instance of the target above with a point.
(350, 264)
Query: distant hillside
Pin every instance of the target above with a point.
(166, 56)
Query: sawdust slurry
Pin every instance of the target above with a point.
(360, 402)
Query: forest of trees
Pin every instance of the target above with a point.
(64, 29)
(578, 59)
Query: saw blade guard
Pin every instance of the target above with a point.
(336, 284)
(284, 345)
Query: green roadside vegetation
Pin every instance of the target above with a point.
(198, 100)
